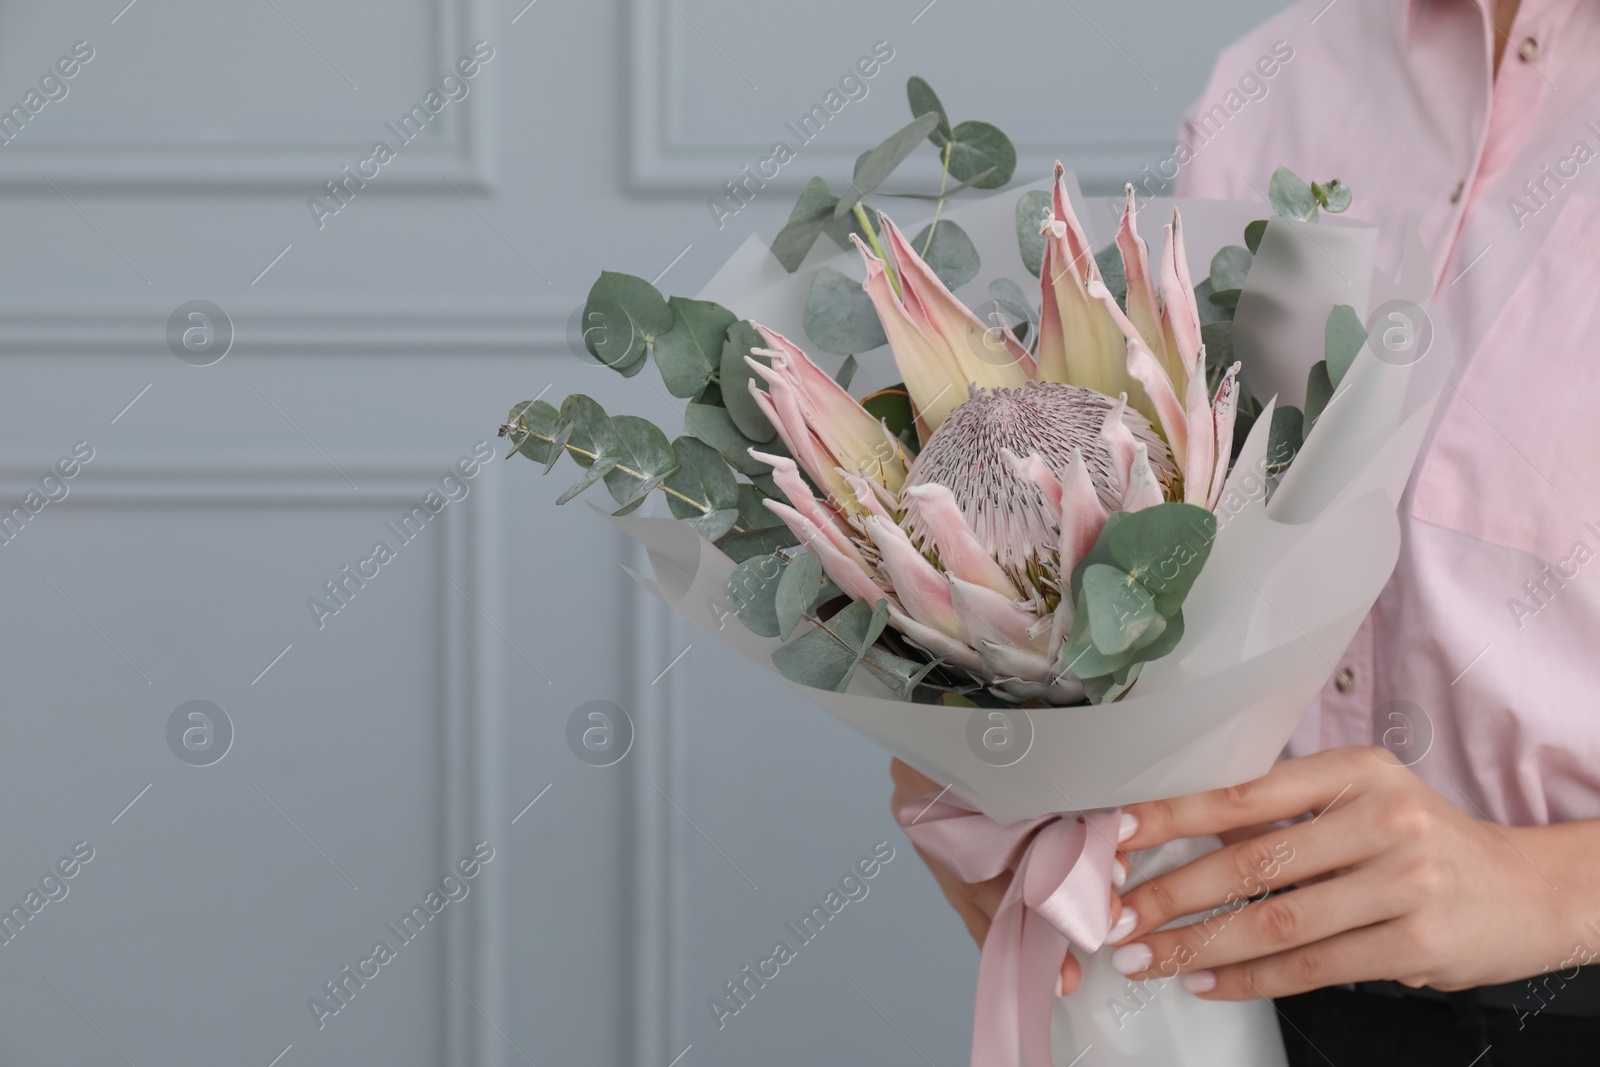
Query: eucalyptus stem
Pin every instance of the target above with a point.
(872, 239)
(938, 208)
(705, 509)
(819, 624)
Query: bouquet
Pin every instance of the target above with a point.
(1063, 559)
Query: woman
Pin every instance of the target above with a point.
(1444, 889)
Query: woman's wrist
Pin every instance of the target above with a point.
(1564, 859)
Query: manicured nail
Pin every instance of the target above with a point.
(1127, 827)
(1119, 874)
(1131, 959)
(1124, 926)
(1200, 981)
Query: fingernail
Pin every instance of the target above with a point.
(1061, 984)
(1124, 926)
(1200, 981)
(1119, 874)
(1131, 959)
(1127, 827)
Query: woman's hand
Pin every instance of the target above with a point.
(976, 903)
(1391, 881)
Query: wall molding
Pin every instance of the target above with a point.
(393, 329)
(460, 151)
(660, 163)
(470, 698)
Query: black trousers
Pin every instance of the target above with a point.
(1352, 1028)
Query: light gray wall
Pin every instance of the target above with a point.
(369, 356)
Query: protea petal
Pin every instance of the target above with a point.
(844, 565)
(1082, 516)
(1007, 662)
(1158, 387)
(869, 495)
(1201, 454)
(1079, 341)
(949, 648)
(990, 617)
(1144, 310)
(1224, 410)
(1119, 441)
(922, 589)
(960, 552)
(787, 476)
(939, 345)
(1036, 471)
(782, 405)
(1180, 314)
(848, 431)
(1144, 491)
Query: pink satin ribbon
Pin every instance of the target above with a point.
(1060, 896)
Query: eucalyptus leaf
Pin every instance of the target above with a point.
(1217, 339)
(1031, 207)
(591, 429)
(1226, 298)
(952, 254)
(742, 544)
(734, 381)
(641, 448)
(825, 657)
(839, 316)
(1319, 390)
(691, 352)
(1229, 267)
(1210, 312)
(1120, 608)
(977, 147)
(532, 421)
(596, 471)
(1253, 234)
(1009, 295)
(1112, 271)
(797, 589)
(806, 222)
(1343, 337)
(880, 162)
(621, 315)
(753, 588)
(923, 100)
(1291, 197)
(1164, 547)
(704, 478)
(1284, 437)
(1334, 196)
(753, 514)
(715, 427)
(846, 372)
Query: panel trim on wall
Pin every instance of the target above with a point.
(460, 154)
(470, 699)
(660, 163)
(395, 329)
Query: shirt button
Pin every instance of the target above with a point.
(1528, 49)
(1344, 680)
(1455, 194)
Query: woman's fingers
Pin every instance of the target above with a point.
(1262, 929)
(1292, 855)
(1356, 956)
(1291, 789)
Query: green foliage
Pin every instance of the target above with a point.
(797, 591)
(1031, 207)
(923, 100)
(1291, 197)
(839, 316)
(876, 165)
(622, 315)
(1009, 295)
(1129, 592)
(690, 353)
(893, 407)
(1343, 337)
(826, 656)
(734, 381)
(1112, 271)
(704, 489)
(951, 253)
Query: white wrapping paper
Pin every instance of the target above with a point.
(1282, 594)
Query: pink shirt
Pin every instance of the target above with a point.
(1490, 627)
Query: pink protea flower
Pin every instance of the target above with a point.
(974, 541)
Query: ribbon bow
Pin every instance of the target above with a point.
(1059, 896)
